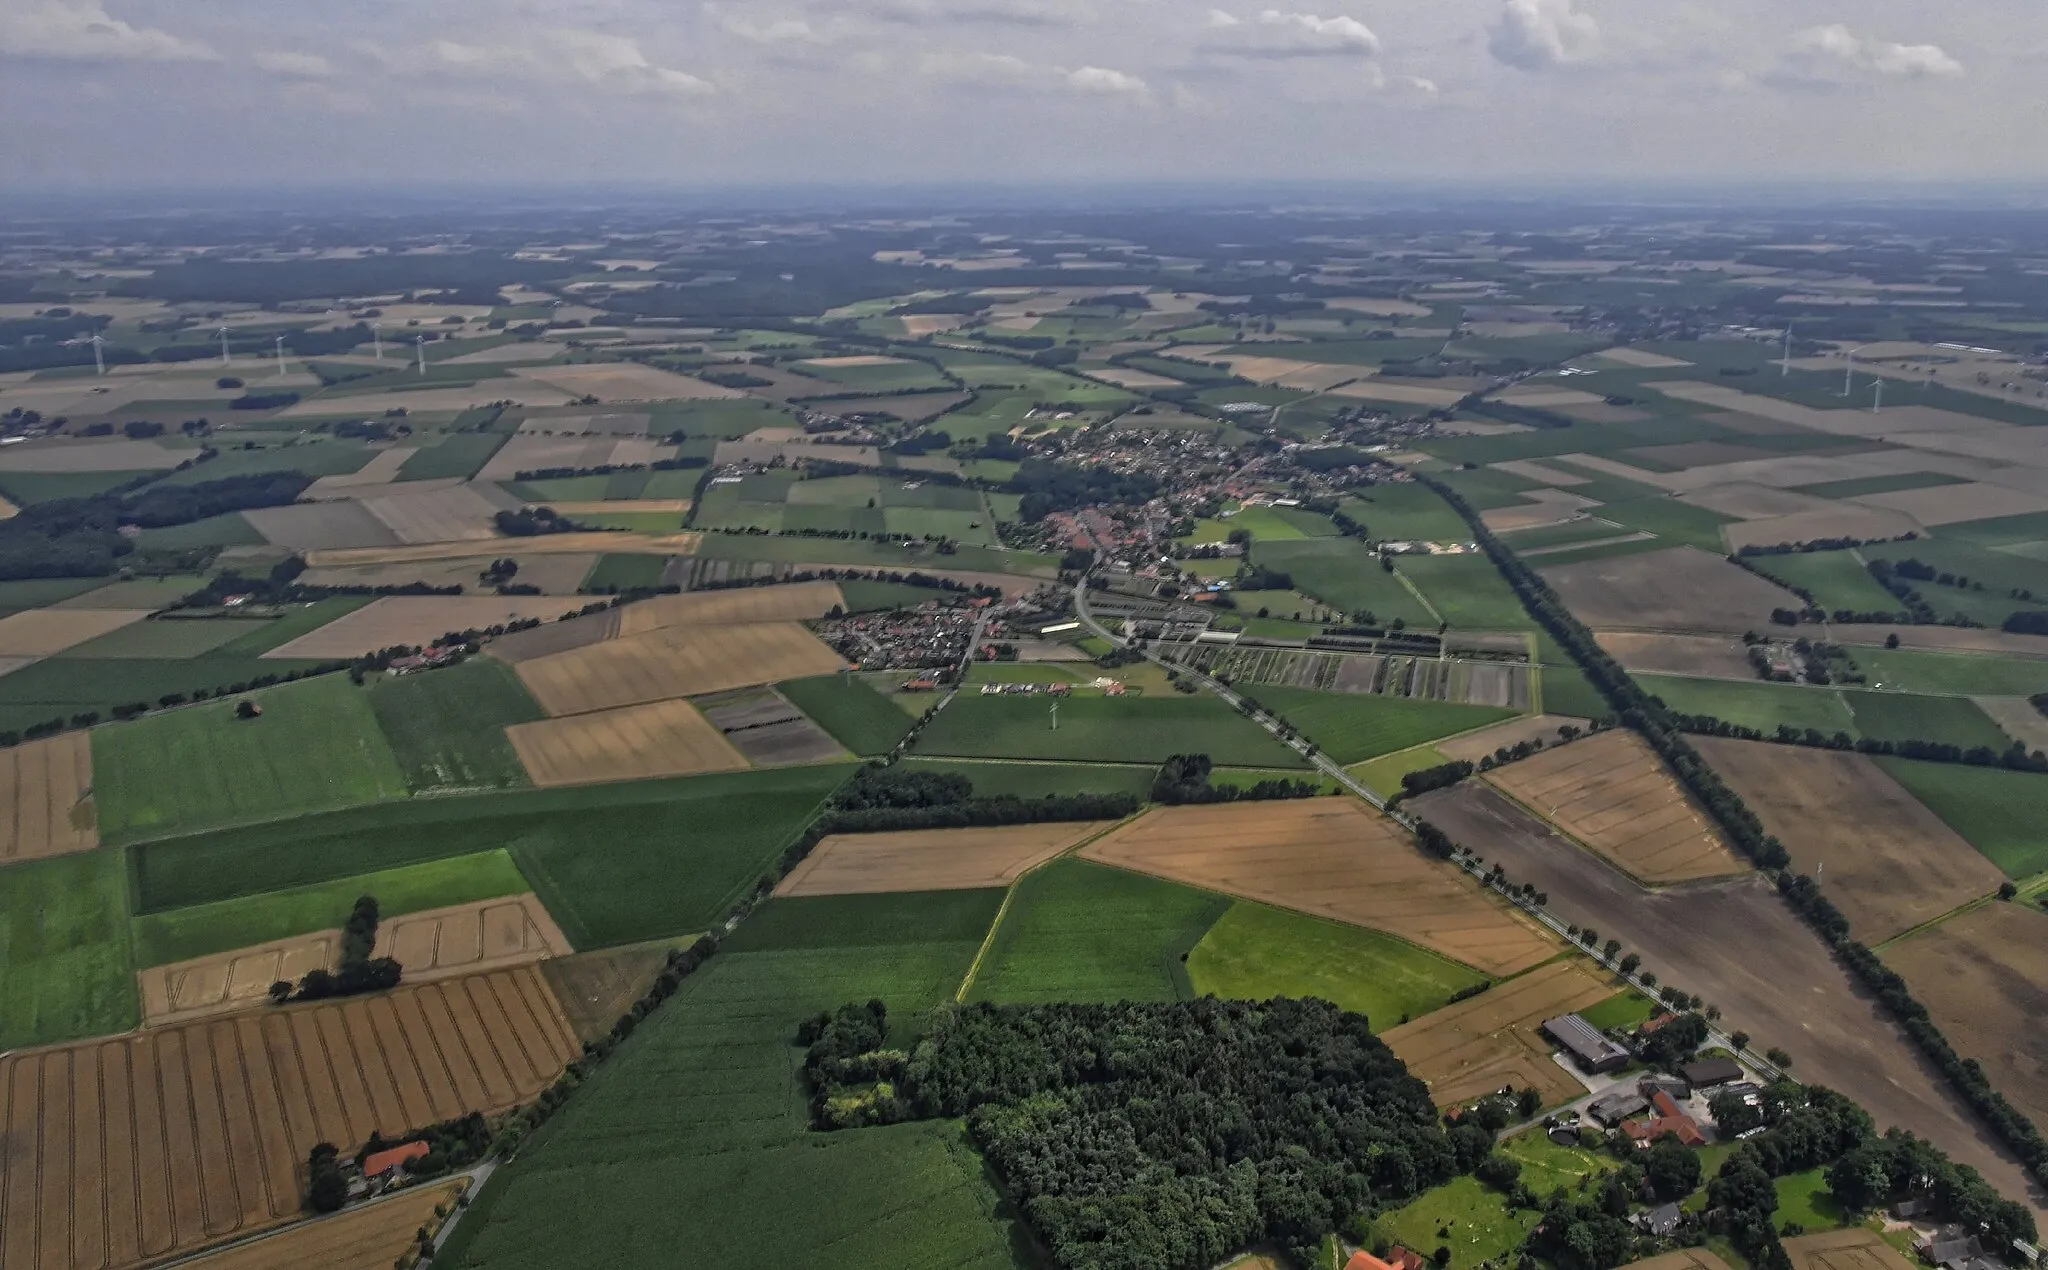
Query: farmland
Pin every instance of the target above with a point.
(1610, 792)
(418, 620)
(1683, 590)
(680, 661)
(64, 939)
(363, 1238)
(1482, 1043)
(1345, 574)
(993, 778)
(1101, 729)
(1979, 974)
(1352, 727)
(316, 747)
(636, 742)
(1890, 864)
(856, 716)
(930, 859)
(46, 799)
(1077, 931)
(1844, 1250)
(1996, 811)
(447, 727)
(1254, 952)
(1334, 858)
(197, 1167)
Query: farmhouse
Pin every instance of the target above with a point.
(394, 1160)
(1669, 1121)
(1709, 1072)
(1618, 1105)
(1592, 1051)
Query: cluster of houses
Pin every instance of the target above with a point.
(1647, 1109)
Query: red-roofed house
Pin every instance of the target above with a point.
(1363, 1260)
(1404, 1259)
(1668, 1120)
(388, 1161)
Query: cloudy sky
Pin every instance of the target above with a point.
(107, 94)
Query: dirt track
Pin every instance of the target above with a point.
(1740, 947)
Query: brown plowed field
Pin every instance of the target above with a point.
(1480, 1044)
(795, 602)
(676, 661)
(462, 938)
(1982, 976)
(360, 1237)
(42, 632)
(421, 619)
(1845, 1250)
(1710, 655)
(1737, 944)
(1885, 860)
(931, 859)
(596, 988)
(639, 742)
(1335, 858)
(46, 798)
(1681, 590)
(1611, 792)
(123, 1150)
(230, 981)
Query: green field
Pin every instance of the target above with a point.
(839, 551)
(61, 686)
(316, 747)
(856, 716)
(1254, 952)
(229, 529)
(175, 640)
(697, 1121)
(1036, 780)
(296, 620)
(1406, 513)
(447, 727)
(1344, 573)
(1835, 578)
(1859, 486)
(864, 921)
(35, 593)
(70, 969)
(1897, 716)
(1759, 705)
(616, 571)
(1978, 675)
(613, 863)
(1351, 727)
(1623, 1009)
(1384, 774)
(1481, 1228)
(23, 488)
(1275, 524)
(1572, 532)
(866, 596)
(1467, 591)
(1671, 520)
(1078, 931)
(459, 454)
(1999, 812)
(210, 928)
(1804, 1199)
(1102, 729)
(1548, 1167)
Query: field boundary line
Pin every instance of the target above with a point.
(1010, 893)
(1968, 906)
(1610, 861)
(1422, 599)
(1536, 669)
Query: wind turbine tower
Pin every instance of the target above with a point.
(225, 358)
(99, 358)
(280, 357)
(419, 343)
(1055, 714)
(1877, 403)
(1785, 367)
(377, 339)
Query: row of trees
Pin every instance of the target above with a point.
(1184, 778)
(1638, 710)
(2015, 756)
(357, 971)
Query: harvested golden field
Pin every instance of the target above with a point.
(594, 542)
(127, 1149)
(1611, 792)
(480, 935)
(1713, 656)
(1981, 975)
(1953, 504)
(41, 632)
(1335, 858)
(636, 742)
(8, 511)
(676, 661)
(858, 359)
(46, 798)
(1473, 746)
(794, 602)
(531, 451)
(1890, 864)
(1857, 1249)
(1682, 590)
(623, 381)
(1475, 1046)
(1752, 500)
(420, 619)
(1506, 520)
(1683, 1259)
(70, 454)
(1641, 358)
(230, 981)
(444, 515)
(1407, 394)
(360, 1237)
(931, 859)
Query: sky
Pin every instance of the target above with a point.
(254, 94)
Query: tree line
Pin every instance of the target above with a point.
(1184, 778)
(1660, 729)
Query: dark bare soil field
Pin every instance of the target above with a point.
(1740, 947)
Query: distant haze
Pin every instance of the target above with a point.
(119, 94)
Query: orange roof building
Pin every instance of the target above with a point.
(385, 1161)
(1363, 1260)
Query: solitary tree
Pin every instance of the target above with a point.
(1740, 1040)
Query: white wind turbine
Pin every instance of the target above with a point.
(225, 359)
(99, 359)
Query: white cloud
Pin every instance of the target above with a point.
(1836, 48)
(1006, 69)
(1102, 81)
(610, 63)
(769, 31)
(83, 31)
(294, 65)
(1535, 35)
(1033, 13)
(1421, 84)
(1278, 34)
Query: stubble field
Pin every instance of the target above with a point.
(1331, 857)
(677, 661)
(636, 742)
(1981, 975)
(420, 619)
(362, 1237)
(931, 859)
(226, 982)
(1611, 792)
(46, 798)
(466, 938)
(127, 1149)
(1478, 1045)
(1845, 1250)
(1887, 861)
(1681, 590)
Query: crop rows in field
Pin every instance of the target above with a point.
(1484, 683)
(124, 1150)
